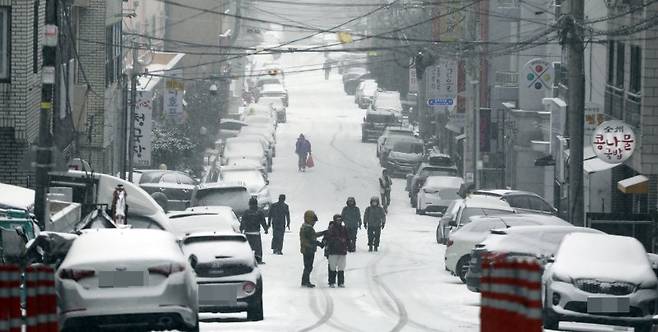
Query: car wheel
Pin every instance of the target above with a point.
(255, 310)
(195, 328)
(418, 211)
(438, 234)
(462, 267)
(422, 212)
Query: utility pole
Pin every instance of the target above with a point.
(43, 163)
(134, 74)
(575, 107)
(476, 131)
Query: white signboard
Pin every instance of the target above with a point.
(442, 84)
(143, 126)
(614, 141)
(173, 97)
(535, 83)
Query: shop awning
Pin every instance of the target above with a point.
(638, 184)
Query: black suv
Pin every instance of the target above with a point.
(375, 122)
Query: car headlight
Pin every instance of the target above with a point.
(561, 277)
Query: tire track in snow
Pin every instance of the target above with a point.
(347, 157)
(326, 317)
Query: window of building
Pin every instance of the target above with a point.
(4, 43)
(112, 53)
(35, 38)
(636, 69)
(619, 64)
(611, 62)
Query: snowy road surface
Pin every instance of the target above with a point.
(403, 287)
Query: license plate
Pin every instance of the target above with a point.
(108, 279)
(608, 305)
(218, 294)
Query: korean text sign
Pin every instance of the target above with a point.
(614, 141)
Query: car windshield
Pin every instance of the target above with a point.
(200, 223)
(430, 171)
(380, 118)
(212, 238)
(408, 147)
(151, 177)
(221, 197)
(252, 179)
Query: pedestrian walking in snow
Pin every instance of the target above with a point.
(252, 220)
(119, 206)
(327, 69)
(374, 219)
(308, 245)
(303, 151)
(385, 184)
(352, 219)
(278, 220)
(336, 241)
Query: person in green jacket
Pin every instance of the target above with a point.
(308, 245)
(352, 219)
(374, 219)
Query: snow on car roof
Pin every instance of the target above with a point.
(603, 256)
(16, 197)
(272, 88)
(201, 222)
(531, 239)
(103, 245)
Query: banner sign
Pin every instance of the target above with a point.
(143, 128)
(442, 84)
(173, 96)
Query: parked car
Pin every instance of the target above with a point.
(246, 150)
(259, 120)
(276, 103)
(416, 180)
(226, 270)
(177, 186)
(387, 101)
(259, 131)
(525, 241)
(275, 90)
(443, 228)
(235, 196)
(127, 278)
(404, 156)
(270, 150)
(16, 198)
(365, 93)
(392, 133)
(375, 122)
(265, 80)
(257, 185)
(204, 219)
(229, 128)
(521, 200)
(438, 193)
(600, 278)
(463, 240)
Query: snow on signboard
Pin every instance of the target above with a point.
(143, 127)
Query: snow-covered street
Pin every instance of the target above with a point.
(403, 287)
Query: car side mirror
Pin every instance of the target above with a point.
(452, 223)
(193, 261)
(267, 182)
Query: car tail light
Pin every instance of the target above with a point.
(75, 274)
(449, 243)
(249, 287)
(167, 269)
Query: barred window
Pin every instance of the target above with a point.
(5, 50)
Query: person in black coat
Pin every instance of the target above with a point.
(252, 220)
(279, 220)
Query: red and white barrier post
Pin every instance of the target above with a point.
(511, 295)
(10, 302)
(41, 310)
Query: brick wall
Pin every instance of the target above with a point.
(19, 98)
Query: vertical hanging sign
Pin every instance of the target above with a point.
(143, 128)
(173, 96)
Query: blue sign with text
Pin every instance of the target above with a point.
(440, 102)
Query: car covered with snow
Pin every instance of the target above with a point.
(237, 150)
(375, 122)
(600, 278)
(203, 219)
(276, 104)
(387, 101)
(463, 240)
(227, 274)
(365, 93)
(275, 90)
(235, 196)
(404, 156)
(416, 179)
(438, 193)
(521, 200)
(270, 150)
(177, 186)
(525, 241)
(257, 185)
(126, 278)
(352, 77)
(392, 133)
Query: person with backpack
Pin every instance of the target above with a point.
(252, 220)
(352, 219)
(374, 219)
